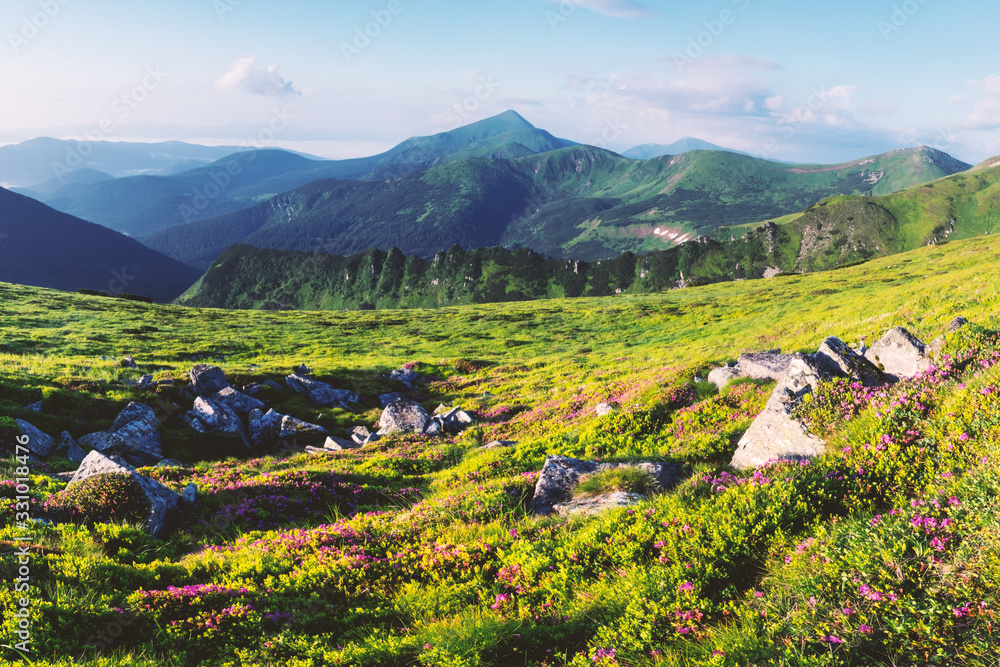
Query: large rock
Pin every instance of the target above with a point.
(211, 416)
(597, 504)
(957, 323)
(763, 365)
(207, 380)
(162, 500)
(69, 448)
(720, 377)
(135, 435)
(407, 376)
(321, 393)
(39, 443)
(238, 401)
(297, 433)
(561, 474)
(403, 416)
(838, 359)
(900, 355)
(776, 434)
(264, 428)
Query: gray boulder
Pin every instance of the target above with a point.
(403, 416)
(597, 504)
(763, 365)
(957, 323)
(900, 355)
(162, 500)
(128, 362)
(561, 474)
(242, 404)
(211, 416)
(134, 435)
(69, 448)
(339, 444)
(604, 409)
(498, 444)
(359, 434)
(720, 377)
(406, 376)
(321, 393)
(776, 434)
(39, 443)
(35, 407)
(190, 494)
(264, 427)
(207, 380)
(838, 359)
(297, 433)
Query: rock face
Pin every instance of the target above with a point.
(135, 435)
(403, 416)
(597, 504)
(161, 499)
(775, 433)
(561, 474)
(763, 365)
(900, 355)
(207, 380)
(720, 377)
(320, 393)
(838, 359)
(39, 443)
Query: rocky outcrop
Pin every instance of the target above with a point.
(321, 393)
(207, 380)
(39, 443)
(240, 403)
(720, 377)
(900, 355)
(838, 359)
(767, 366)
(776, 434)
(561, 474)
(162, 500)
(134, 435)
(211, 416)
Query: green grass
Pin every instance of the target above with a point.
(628, 479)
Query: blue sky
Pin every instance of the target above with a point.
(802, 81)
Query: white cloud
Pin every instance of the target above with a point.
(245, 76)
(619, 9)
(986, 113)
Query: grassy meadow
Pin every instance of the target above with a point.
(415, 551)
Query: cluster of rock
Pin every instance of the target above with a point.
(776, 433)
(560, 476)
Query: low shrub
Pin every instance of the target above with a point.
(111, 497)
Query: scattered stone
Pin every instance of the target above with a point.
(34, 407)
(190, 494)
(162, 500)
(900, 355)
(321, 393)
(720, 377)
(768, 366)
(435, 427)
(146, 382)
(498, 444)
(776, 434)
(217, 417)
(303, 370)
(957, 323)
(405, 375)
(264, 428)
(838, 359)
(39, 443)
(69, 448)
(597, 504)
(359, 434)
(134, 435)
(242, 404)
(297, 433)
(560, 475)
(386, 399)
(403, 416)
(604, 409)
(207, 380)
(319, 451)
(339, 444)
(128, 362)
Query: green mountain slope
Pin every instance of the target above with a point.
(685, 145)
(144, 205)
(579, 202)
(43, 247)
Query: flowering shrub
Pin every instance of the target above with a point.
(111, 497)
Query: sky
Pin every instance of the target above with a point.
(800, 81)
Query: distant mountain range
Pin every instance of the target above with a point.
(45, 248)
(685, 145)
(52, 161)
(579, 202)
(143, 205)
(835, 232)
